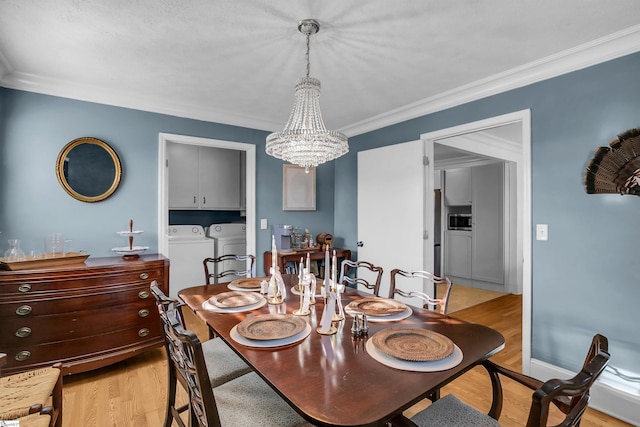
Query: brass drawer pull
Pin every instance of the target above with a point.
(144, 276)
(26, 287)
(23, 332)
(143, 312)
(23, 310)
(143, 294)
(143, 332)
(23, 355)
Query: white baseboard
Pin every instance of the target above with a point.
(604, 397)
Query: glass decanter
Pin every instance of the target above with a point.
(14, 253)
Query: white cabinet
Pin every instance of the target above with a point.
(206, 178)
(457, 259)
(183, 176)
(457, 190)
(478, 255)
(488, 223)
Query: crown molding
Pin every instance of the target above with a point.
(490, 142)
(161, 105)
(604, 49)
(600, 50)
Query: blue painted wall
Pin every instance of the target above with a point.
(33, 130)
(585, 277)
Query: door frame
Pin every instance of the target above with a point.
(522, 159)
(163, 184)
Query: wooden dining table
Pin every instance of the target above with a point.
(331, 380)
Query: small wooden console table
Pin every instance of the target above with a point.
(294, 256)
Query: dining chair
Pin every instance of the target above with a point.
(569, 396)
(222, 363)
(363, 269)
(442, 302)
(244, 401)
(34, 420)
(226, 265)
(34, 392)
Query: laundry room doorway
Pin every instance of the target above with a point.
(249, 152)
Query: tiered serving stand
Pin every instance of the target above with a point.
(130, 252)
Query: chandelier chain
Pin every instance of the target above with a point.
(307, 56)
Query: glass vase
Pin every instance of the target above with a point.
(14, 253)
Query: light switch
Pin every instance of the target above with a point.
(542, 232)
(263, 224)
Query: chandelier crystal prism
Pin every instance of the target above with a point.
(305, 141)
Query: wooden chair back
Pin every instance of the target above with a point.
(570, 396)
(186, 360)
(372, 284)
(442, 303)
(215, 269)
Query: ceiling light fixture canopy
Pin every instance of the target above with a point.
(305, 141)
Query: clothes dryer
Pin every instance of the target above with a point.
(230, 239)
(188, 247)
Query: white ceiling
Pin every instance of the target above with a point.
(236, 62)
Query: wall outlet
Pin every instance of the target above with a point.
(263, 224)
(542, 232)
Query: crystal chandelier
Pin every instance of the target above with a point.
(305, 141)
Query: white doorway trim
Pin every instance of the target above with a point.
(163, 184)
(523, 171)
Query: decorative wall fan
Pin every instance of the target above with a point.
(616, 168)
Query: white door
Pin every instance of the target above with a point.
(391, 206)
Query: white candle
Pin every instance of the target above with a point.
(300, 274)
(308, 263)
(274, 254)
(326, 273)
(334, 276)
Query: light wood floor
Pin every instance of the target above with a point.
(132, 393)
(462, 297)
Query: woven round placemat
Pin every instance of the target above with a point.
(413, 344)
(248, 282)
(271, 326)
(235, 299)
(375, 306)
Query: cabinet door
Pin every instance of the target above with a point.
(457, 187)
(488, 223)
(183, 176)
(457, 246)
(219, 178)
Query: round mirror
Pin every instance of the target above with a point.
(89, 169)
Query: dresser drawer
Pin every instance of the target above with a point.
(69, 302)
(30, 330)
(79, 282)
(83, 347)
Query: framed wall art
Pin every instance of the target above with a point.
(298, 188)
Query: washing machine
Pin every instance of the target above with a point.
(229, 239)
(188, 247)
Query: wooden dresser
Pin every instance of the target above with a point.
(85, 315)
